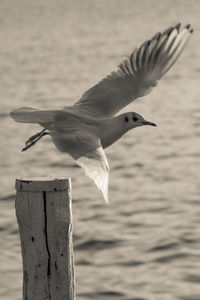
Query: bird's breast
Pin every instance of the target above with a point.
(111, 131)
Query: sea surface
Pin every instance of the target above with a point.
(144, 245)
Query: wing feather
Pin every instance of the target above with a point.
(88, 153)
(97, 169)
(176, 51)
(132, 61)
(137, 74)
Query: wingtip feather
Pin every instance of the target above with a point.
(97, 169)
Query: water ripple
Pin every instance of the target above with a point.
(97, 244)
(194, 278)
(189, 297)
(164, 247)
(100, 295)
(172, 257)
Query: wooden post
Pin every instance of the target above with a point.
(44, 214)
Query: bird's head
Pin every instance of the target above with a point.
(133, 119)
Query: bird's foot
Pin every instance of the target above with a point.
(34, 139)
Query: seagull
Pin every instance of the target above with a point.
(84, 129)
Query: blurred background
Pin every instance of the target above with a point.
(146, 244)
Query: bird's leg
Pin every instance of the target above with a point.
(34, 139)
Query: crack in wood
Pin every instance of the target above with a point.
(25, 285)
(46, 234)
(47, 245)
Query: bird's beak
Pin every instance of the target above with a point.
(148, 123)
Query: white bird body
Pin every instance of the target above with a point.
(90, 125)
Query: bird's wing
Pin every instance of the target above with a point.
(137, 74)
(86, 149)
(97, 169)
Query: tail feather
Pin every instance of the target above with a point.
(32, 115)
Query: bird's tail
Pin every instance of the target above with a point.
(32, 115)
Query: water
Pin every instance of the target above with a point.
(145, 244)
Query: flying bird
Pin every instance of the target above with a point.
(90, 125)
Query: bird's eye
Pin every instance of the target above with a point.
(135, 119)
(126, 119)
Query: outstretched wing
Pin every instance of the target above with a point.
(137, 74)
(86, 149)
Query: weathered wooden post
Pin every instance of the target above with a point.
(44, 214)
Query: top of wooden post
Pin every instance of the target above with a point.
(42, 184)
